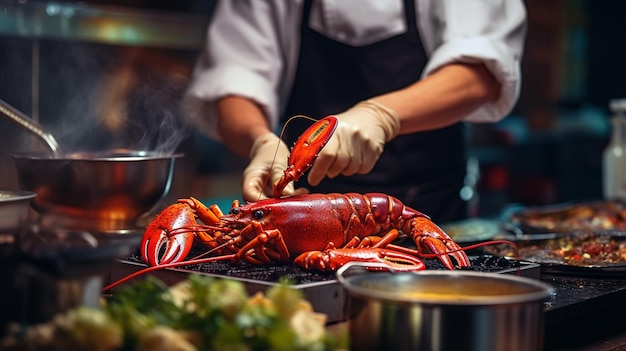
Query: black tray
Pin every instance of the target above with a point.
(321, 289)
(607, 217)
(543, 251)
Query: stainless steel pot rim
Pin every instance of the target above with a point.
(117, 155)
(540, 290)
(15, 195)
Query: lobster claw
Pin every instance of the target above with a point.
(168, 238)
(332, 259)
(427, 234)
(305, 151)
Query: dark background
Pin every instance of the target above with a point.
(58, 64)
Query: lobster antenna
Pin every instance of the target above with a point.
(282, 131)
(211, 251)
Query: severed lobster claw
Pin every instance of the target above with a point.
(305, 151)
(169, 237)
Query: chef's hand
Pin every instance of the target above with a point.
(357, 143)
(268, 156)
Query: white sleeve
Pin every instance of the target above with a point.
(491, 32)
(243, 55)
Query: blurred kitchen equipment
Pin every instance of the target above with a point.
(51, 270)
(606, 216)
(443, 310)
(472, 230)
(105, 191)
(13, 209)
(583, 253)
(31, 126)
(614, 155)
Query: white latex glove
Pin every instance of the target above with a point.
(268, 155)
(357, 143)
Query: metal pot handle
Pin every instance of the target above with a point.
(30, 125)
(354, 268)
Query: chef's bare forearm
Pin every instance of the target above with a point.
(443, 98)
(240, 122)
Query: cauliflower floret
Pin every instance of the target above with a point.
(162, 338)
(308, 326)
(86, 328)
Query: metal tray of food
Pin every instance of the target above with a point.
(605, 216)
(579, 252)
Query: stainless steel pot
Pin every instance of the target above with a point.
(443, 310)
(52, 270)
(13, 209)
(104, 191)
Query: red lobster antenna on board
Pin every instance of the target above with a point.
(229, 257)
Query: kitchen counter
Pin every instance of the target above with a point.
(586, 313)
(580, 316)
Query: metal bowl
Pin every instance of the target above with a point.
(13, 209)
(105, 191)
(444, 310)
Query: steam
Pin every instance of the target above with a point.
(116, 101)
(153, 119)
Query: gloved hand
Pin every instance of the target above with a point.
(358, 141)
(268, 155)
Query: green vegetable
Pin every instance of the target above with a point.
(200, 313)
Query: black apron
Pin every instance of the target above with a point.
(424, 170)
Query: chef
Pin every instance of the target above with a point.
(403, 78)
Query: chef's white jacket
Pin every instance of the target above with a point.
(252, 47)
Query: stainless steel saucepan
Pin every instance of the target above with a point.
(443, 310)
(107, 191)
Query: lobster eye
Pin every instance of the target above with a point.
(234, 210)
(258, 214)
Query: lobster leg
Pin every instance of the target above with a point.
(305, 151)
(368, 250)
(428, 235)
(262, 246)
(209, 216)
(332, 259)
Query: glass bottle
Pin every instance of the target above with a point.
(614, 156)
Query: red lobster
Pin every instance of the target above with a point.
(314, 231)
